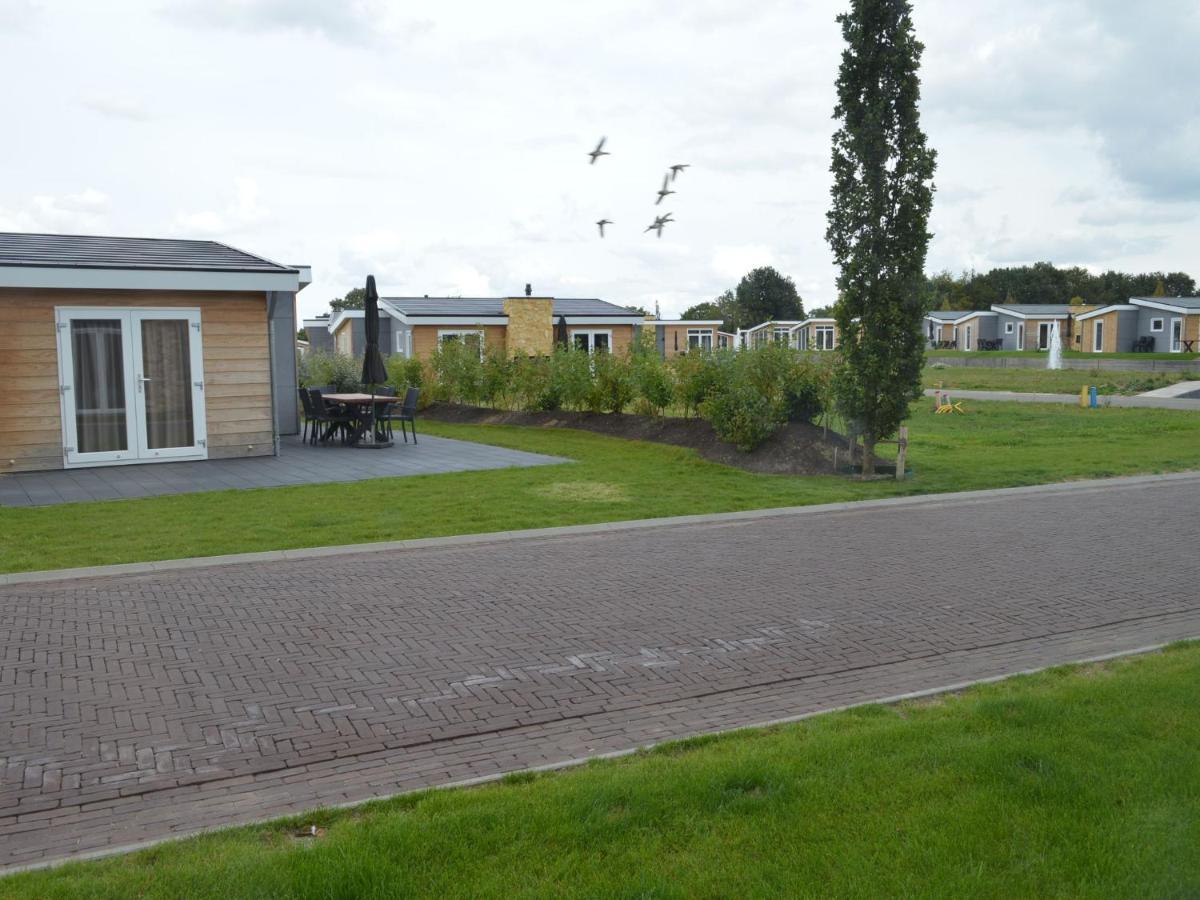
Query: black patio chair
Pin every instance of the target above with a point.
(407, 413)
(309, 414)
(334, 418)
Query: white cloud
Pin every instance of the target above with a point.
(18, 15)
(82, 211)
(117, 108)
(734, 262)
(351, 22)
(243, 211)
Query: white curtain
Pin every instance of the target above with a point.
(99, 362)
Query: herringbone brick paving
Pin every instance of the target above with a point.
(135, 707)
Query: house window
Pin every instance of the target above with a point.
(1043, 335)
(1156, 324)
(592, 341)
(471, 337)
(1098, 337)
(722, 341)
(824, 337)
(782, 334)
(699, 339)
(1008, 327)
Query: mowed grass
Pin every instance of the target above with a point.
(993, 445)
(1067, 354)
(1047, 381)
(1069, 783)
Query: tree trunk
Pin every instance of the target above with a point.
(868, 457)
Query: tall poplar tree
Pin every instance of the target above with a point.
(882, 196)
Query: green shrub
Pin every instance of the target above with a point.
(612, 379)
(495, 382)
(698, 375)
(533, 388)
(805, 389)
(339, 371)
(571, 376)
(652, 383)
(741, 415)
(458, 370)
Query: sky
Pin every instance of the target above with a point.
(442, 146)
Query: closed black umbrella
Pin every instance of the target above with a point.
(561, 338)
(374, 372)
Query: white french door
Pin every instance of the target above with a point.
(1176, 335)
(132, 385)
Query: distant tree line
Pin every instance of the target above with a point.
(1046, 283)
(764, 294)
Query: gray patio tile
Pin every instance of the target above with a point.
(297, 464)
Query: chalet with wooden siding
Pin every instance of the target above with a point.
(415, 326)
(117, 351)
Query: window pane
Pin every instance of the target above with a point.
(167, 364)
(600, 342)
(98, 360)
(581, 341)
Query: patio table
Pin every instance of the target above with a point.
(360, 402)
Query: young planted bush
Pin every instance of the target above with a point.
(339, 371)
(698, 375)
(458, 371)
(612, 382)
(653, 386)
(571, 374)
(533, 388)
(742, 415)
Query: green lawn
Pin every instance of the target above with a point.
(1069, 783)
(993, 445)
(1058, 381)
(1067, 354)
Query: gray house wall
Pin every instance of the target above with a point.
(1162, 339)
(319, 338)
(281, 330)
(983, 328)
(1010, 340)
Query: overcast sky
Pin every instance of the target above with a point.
(442, 146)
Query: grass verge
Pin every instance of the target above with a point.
(1046, 381)
(1080, 782)
(1067, 354)
(993, 445)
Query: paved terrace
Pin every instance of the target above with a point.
(142, 706)
(297, 463)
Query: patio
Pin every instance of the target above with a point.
(296, 464)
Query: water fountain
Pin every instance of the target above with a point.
(1054, 360)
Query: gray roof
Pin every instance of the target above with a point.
(91, 252)
(1037, 309)
(494, 306)
(952, 315)
(1180, 302)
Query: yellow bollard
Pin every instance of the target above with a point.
(1083, 397)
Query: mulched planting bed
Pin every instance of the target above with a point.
(795, 449)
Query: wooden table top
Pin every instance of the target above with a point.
(358, 398)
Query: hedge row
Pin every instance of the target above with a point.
(746, 395)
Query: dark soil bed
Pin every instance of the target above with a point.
(796, 449)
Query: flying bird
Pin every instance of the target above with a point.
(658, 223)
(602, 223)
(599, 151)
(677, 168)
(663, 191)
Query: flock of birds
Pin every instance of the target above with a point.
(673, 172)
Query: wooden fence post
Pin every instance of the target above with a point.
(902, 452)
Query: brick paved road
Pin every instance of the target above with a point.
(137, 707)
